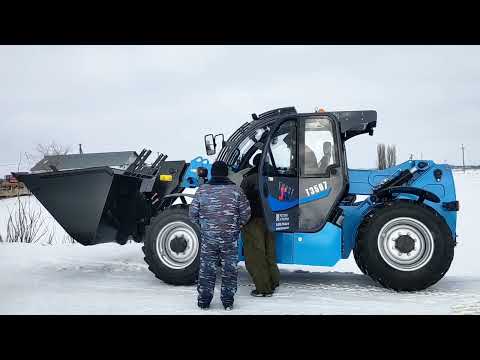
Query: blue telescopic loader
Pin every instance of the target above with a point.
(399, 222)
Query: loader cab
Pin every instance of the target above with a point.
(302, 173)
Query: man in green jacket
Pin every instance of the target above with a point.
(259, 243)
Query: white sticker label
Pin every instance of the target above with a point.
(282, 222)
(315, 189)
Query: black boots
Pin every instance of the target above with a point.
(203, 306)
(257, 293)
(207, 306)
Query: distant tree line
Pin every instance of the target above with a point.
(386, 156)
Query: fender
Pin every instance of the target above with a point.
(179, 195)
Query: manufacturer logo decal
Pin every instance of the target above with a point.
(285, 191)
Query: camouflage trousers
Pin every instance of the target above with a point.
(212, 251)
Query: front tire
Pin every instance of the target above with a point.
(404, 246)
(172, 247)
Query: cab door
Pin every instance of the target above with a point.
(302, 174)
(323, 175)
(278, 177)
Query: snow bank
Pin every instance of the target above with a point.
(113, 279)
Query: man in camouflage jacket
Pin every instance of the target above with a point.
(220, 208)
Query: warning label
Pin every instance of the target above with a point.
(282, 222)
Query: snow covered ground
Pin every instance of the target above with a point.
(113, 279)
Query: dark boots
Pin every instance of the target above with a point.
(260, 257)
(257, 293)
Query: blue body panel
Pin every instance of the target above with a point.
(362, 183)
(190, 178)
(332, 243)
(322, 248)
(353, 216)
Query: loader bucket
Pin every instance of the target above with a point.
(93, 205)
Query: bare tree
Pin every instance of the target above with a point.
(53, 149)
(381, 157)
(67, 239)
(42, 150)
(50, 238)
(25, 224)
(391, 155)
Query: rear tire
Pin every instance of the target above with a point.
(358, 261)
(404, 246)
(172, 247)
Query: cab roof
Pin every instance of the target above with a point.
(352, 123)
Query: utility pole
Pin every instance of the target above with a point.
(463, 157)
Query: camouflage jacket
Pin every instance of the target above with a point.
(220, 208)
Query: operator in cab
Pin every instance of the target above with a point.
(310, 164)
(326, 158)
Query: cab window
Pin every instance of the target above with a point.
(319, 148)
(246, 145)
(281, 153)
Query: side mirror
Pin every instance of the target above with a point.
(210, 145)
(220, 142)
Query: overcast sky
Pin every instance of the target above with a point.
(113, 98)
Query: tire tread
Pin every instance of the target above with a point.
(360, 249)
(187, 276)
